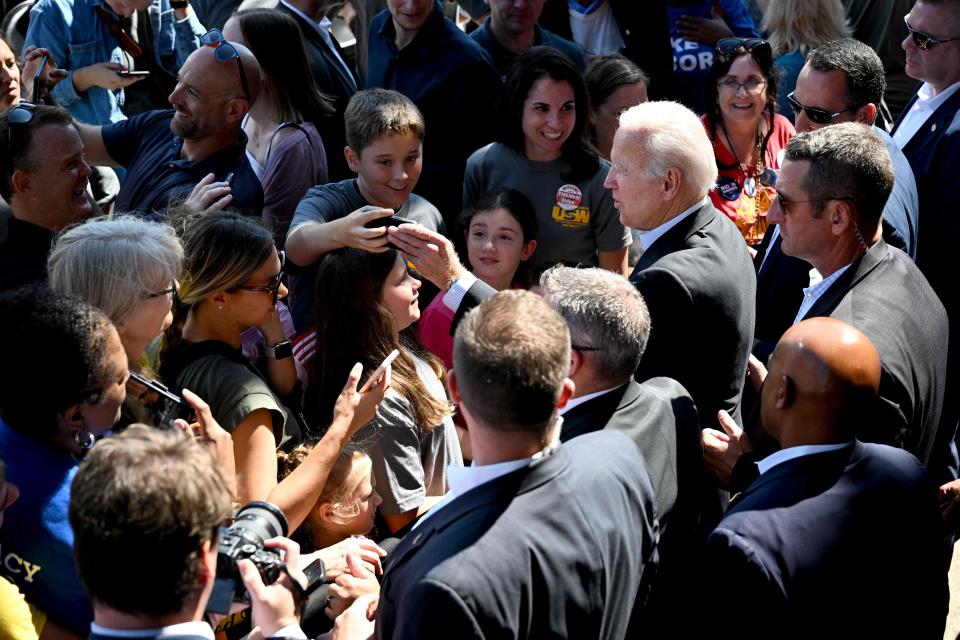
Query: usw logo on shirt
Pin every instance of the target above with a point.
(572, 218)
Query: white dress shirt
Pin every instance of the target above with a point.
(574, 402)
(812, 293)
(921, 110)
(792, 453)
(647, 238)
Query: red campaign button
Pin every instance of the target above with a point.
(569, 197)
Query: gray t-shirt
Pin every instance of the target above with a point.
(329, 202)
(409, 462)
(575, 219)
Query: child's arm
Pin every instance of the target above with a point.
(310, 241)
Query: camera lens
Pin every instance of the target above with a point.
(262, 519)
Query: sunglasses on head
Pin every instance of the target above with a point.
(819, 116)
(19, 115)
(923, 40)
(224, 51)
(756, 47)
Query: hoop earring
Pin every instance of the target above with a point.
(84, 439)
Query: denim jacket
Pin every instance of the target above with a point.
(76, 37)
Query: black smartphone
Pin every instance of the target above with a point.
(392, 221)
(229, 179)
(133, 74)
(156, 387)
(40, 81)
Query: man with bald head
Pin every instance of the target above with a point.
(836, 536)
(167, 152)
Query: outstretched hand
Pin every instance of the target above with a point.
(432, 253)
(722, 449)
(354, 408)
(357, 581)
(706, 31)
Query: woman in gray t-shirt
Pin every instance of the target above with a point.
(366, 304)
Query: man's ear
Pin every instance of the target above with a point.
(20, 182)
(866, 114)
(566, 392)
(353, 158)
(454, 389)
(786, 393)
(208, 561)
(842, 216)
(576, 361)
(236, 109)
(671, 184)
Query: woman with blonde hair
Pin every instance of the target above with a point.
(794, 27)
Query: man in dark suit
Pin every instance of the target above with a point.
(832, 188)
(836, 537)
(842, 81)
(695, 271)
(609, 326)
(537, 538)
(334, 75)
(146, 542)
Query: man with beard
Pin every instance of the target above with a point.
(167, 152)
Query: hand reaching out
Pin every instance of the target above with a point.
(356, 623)
(432, 253)
(722, 449)
(352, 232)
(706, 31)
(358, 581)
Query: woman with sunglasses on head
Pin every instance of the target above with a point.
(283, 145)
(544, 154)
(794, 28)
(128, 268)
(747, 133)
(231, 281)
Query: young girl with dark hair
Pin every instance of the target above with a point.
(367, 303)
(543, 152)
(501, 234)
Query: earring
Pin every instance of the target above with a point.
(84, 439)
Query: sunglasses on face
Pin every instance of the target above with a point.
(923, 40)
(756, 47)
(224, 51)
(819, 116)
(274, 287)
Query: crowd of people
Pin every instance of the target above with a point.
(547, 324)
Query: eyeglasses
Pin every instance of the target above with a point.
(272, 288)
(923, 40)
(224, 51)
(783, 202)
(164, 292)
(757, 47)
(820, 116)
(751, 86)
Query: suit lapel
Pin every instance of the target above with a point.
(668, 242)
(594, 414)
(827, 302)
(933, 126)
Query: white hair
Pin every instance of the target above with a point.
(114, 263)
(669, 135)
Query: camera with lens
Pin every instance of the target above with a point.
(243, 540)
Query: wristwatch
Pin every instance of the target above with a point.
(279, 351)
(179, 4)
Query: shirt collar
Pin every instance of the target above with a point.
(195, 628)
(791, 453)
(926, 97)
(647, 238)
(575, 402)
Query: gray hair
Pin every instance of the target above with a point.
(669, 135)
(846, 160)
(114, 263)
(603, 310)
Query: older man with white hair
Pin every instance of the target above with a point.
(695, 272)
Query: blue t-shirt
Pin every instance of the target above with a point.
(692, 60)
(150, 152)
(36, 541)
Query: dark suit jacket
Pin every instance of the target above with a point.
(339, 84)
(565, 547)
(781, 280)
(885, 296)
(697, 281)
(934, 154)
(842, 544)
(661, 419)
(645, 30)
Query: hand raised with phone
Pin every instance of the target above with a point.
(352, 230)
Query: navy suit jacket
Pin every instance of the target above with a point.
(336, 82)
(842, 544)
(934, 154)
(697, 281)
(562, 548)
